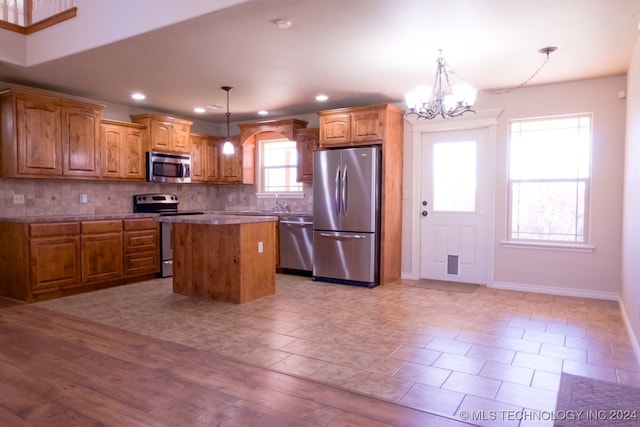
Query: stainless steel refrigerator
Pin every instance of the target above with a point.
(346, 215)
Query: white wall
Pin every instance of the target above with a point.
(630, 292)
(591, 274)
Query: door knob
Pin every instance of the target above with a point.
(424, 203)
(424, 213)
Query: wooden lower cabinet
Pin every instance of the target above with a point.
(47, 260)
(101, 249)
(141, 247)
(55, 262)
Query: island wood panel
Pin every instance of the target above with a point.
(222, 262)
(58, 369)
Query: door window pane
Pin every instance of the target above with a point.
(454, 176)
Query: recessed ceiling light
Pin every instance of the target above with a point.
(282, 23)
(321, 98)
(213, 106)
(138, 96)
(263, 112)
(199, 110)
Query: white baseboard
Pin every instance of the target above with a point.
(552, 290)
(632, 338)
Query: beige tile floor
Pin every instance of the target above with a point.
(444, 352)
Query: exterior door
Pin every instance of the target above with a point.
(455, 205)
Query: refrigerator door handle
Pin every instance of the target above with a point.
(345, 190)
(342, 236)
(336, 196)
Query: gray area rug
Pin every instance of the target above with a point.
(588, 402)
(442, 285)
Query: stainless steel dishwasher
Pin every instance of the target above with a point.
(296, 244)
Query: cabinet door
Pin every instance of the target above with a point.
(133, 156)
(367, 126)
(198, 157)
(54, 262)
(101, 257)
(112, 151)
(38, 136)
(160, 135)
(122, 152)
(80, 141)
(231, 164)
(335, 129)
(212, 162)
(181, 137)
(306, 142)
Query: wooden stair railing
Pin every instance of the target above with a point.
(29, 16)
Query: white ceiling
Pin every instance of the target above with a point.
(355, 51)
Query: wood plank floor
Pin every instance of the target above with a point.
(56, 369)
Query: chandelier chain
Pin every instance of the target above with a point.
(521, 85)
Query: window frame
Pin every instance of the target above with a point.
(260, 181)
(553, 244)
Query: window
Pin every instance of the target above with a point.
(278, 167)
(549, 171)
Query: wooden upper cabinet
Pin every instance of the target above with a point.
(307, 141)
(45, 136)
(231, 164)
(368, 125)
(198, 157)
(123, 151)
(356, 126)
(212, 160)
(80, 140)
(208, 164)
(181, 135)
(286, 128)
(335, 129)
(166, 134)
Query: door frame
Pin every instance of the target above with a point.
(482, 119)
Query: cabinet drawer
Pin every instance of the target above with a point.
(96, 227)
(142, 263)
(136, 241)
(53, 229)
(140, 224)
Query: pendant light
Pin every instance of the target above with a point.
(228, 148)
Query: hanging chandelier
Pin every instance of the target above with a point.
(227, 147)
(442, 99)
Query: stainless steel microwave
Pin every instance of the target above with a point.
(168, 167)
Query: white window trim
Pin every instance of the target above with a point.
(271, 194)
(550, 246)
(584, 246)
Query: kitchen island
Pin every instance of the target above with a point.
(224, 257)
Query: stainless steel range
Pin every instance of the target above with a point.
(164, 205)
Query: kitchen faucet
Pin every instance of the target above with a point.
(280, 208)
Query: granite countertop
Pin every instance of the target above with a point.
(78, 217)
(217, 219)
(100, 217)
(263, 213)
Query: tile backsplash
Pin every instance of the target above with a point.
(62, 197)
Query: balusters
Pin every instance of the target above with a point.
(13, 11)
